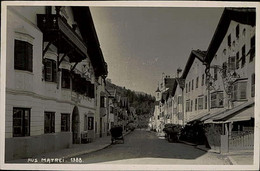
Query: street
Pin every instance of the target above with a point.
(144, 147)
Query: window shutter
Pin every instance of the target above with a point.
(92, 91)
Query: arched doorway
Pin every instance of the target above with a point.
(75, 126)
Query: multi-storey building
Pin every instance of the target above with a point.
(52, 76)
(195, 92)
(231, 55)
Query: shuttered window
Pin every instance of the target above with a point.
(23, 56)
(237, 60)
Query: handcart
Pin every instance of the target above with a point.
(117, 134)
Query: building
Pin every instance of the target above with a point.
(53, 65)
(231, 74)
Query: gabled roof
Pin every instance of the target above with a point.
(89, 35)
(241, 15)
(194, 54)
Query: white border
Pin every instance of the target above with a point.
(124, 4)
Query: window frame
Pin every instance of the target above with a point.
(53, 67)
(243, 57)
(23, 55)
(253, 85)
(23, 122)
(239, 87)
(66, 127)
(252, 49)
(50, 124)
(200, 103)
(218, 99)
(65, 79)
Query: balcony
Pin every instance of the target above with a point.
(57, 31)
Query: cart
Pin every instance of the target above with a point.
(117, 134)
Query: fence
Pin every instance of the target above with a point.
(243, 140)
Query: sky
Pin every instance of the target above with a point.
(141, 43)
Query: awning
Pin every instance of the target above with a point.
(226, 115)
(244, 115)
(207, 118)
(245, 110)
(198, 117)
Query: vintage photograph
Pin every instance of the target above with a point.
(129, 85)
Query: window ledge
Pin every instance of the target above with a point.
(24, 71)
(50, 82)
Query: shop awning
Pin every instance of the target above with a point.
(208, 118)
(242, 112)
(198, 117)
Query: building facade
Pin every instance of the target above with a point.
(51, 79)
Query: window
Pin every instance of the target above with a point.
(189, 86)
(186, 88)
(158, 95)
(216, 99)
(200, 103)
(191, 105)
(253, 85)
(215, 73)
(65, 122)
(232, 63)
(206, 102)
(202, 80)
(21, 122)
(239, 90)
(237, 31)
(50, 70)
(237, 60)
(65, 78)
(188, 106)
(243, 58)
(23, 56)
(224, 67)
(192, 83)
(102, 101)
(90, 123)
(196, 104)
(197, 82)
(49, 122)
(252, 49)
(158, 117)
(179, 99)
(229, 40)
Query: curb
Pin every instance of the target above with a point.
(187, 143)
(91, 151)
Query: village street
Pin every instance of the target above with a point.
(144, 147)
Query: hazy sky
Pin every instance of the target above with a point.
(139, 44)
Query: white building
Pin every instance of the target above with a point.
(47, 60)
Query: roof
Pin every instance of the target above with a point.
(89, 35)
(233, 112)
(241, 15)
(169, 83)
(225, 114)
(194, 54)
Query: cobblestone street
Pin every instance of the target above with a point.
(143, 147)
